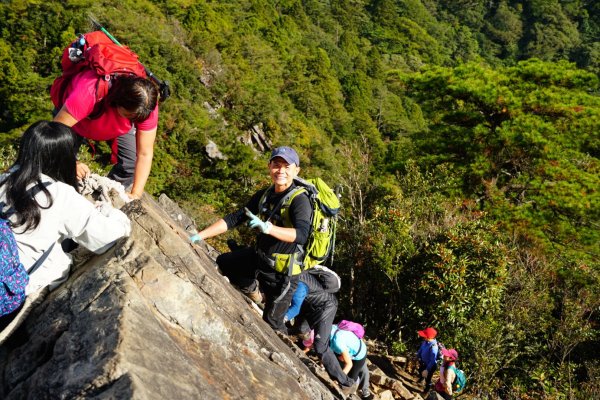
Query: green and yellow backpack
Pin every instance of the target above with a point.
(321, 241)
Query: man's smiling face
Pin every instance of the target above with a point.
(282, 173)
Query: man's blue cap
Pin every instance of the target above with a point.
(287, 153)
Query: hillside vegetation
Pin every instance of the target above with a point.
(464, 133)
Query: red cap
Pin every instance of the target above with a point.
(451, 353)
(428, 333)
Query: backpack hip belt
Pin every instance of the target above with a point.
(290, 264)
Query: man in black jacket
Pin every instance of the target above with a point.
(282, 215)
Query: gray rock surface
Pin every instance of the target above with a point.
(151, 319)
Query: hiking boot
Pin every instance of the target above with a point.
(255, 295)
(365, 394)
(427, 389)
(349, 390)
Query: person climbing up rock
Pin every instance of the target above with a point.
(39, 198)
(128, 115)
(352, 353)
(444, 386)
(281, 237)
(314, 310)
(427, 355)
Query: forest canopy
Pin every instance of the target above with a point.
(464, 133)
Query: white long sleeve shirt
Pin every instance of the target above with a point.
(70, 216)
(447, 376)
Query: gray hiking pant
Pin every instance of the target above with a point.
(363, 376)
(124, 169)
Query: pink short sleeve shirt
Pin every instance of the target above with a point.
(80, 101)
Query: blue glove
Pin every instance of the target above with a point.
(256, 223)
(195, 238)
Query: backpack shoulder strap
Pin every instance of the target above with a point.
(284, 202)
(292, 195)
(455, 370)
(360, 342)
(41, 260)
(287, 201)
(5, 215)
(264, 197)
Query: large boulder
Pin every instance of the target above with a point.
(151, 319)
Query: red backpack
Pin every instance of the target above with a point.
(95, 50)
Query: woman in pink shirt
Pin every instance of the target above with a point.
(128, 113)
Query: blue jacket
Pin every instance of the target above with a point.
(428, 354)
(297, 300)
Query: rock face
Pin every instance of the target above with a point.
(150, 319)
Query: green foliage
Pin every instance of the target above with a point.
(463, 274)
(520, 138)
(551, 33)
(8, 155)
(470, 188)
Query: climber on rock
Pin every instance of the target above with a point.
(313, 309)
(39, 199)
(280, 240)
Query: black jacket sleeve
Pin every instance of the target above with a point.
(301, 217)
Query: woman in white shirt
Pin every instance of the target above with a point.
(444, 386)
(39, 197)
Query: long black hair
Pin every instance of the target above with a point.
(46, 148)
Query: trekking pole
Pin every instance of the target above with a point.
(333, 241)
(163, 86)
(338, 193)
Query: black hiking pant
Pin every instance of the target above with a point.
(423, 367)
(321, 321)
(244, 267)
(357, 366)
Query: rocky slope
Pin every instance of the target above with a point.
(153, 319)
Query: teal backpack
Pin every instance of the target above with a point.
(460, 381)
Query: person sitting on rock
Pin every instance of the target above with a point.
(282, 234)
(39, 198)
(427, 355)
(314, 310)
